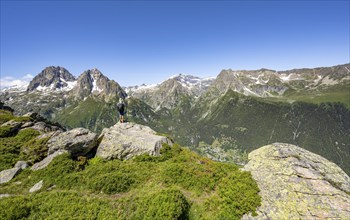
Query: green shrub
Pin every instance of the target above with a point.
(5, 131)
(57, 172)
(5, 116)
(111, 183)
(15, 208)
(27, 134)
(22, 119)
(237, 195)
(182, 186)
(10, 147)
(96, 161)
(194, 173)
(35, 149)
(161, 204)
(56, 205)
(166, 152)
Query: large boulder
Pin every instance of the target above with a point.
(9, 174)
(297, 184)
(78, 142)
(126, 140)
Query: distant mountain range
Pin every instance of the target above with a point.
(223, 118)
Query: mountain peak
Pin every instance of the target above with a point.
(51, 78)
(94, 82)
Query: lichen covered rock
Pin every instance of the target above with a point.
(297, 184)
(125, 140)
(78, 142)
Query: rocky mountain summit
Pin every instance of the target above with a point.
(270, 83)
(171, 92)
(52, 78)
(95, 83)
(297, 184)
(55, 93)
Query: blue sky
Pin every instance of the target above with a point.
(135, 42)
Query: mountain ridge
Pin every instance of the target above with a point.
(222, 121)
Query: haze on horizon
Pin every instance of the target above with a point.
(134, 42)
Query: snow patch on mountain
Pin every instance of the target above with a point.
(140, 88)
(70, 85)
(195, 85)
(95, 88)
(190, 82)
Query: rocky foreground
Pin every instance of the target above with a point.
(294, 183)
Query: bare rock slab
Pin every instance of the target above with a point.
(9, 174)
(37, 186)
(297, 184)
(78, 142)
(47, 160)
(126, 140)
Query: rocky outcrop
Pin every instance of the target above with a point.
(78, 142)
(9, 174)
(123, 141)
(29, 121)
(44, 127)
(45, 162)
(297, 184)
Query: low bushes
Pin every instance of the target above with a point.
(178, 185)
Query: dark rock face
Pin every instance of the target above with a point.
(54, 77)
(7, 108)
(95, 83)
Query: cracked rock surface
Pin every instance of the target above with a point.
(126, 140)
(297, 184)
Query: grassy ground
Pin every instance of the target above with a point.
(178, 185)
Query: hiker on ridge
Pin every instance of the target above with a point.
(121, 109)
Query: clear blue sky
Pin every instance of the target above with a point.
(146, 42)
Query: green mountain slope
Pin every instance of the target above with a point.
(251, 122)
(92, 113)
(338, 93)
